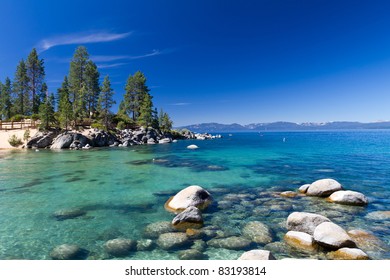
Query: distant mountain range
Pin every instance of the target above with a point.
(284, 126)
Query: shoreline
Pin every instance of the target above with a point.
(4, 136)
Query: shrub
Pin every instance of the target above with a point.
(98, 126)
(17, 118)
(26, 135)
(35, 117)
(14, 141)
(121, 125)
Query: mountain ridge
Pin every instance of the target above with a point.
(285, 126)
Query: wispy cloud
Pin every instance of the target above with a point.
(80, 38)
(110, 58)
(180, 104)
(112, 65)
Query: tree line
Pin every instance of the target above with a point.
(80, 99)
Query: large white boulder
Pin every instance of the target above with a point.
(323, 187)
(305, 222)
(257, 255)
(332, 236)
(190, 196)
(300, 240)
(349, 198)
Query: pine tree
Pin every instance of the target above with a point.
(136, 91)
(20, 90)
(1, 100)
(165, 122)
(36, 76)
(6, 102)
(77, 82)
(106, 101)
(92, 86)
(146, 111)
(46, 111)
(65, 108)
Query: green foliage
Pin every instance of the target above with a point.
(165, 122)
(65, 108)
(98, 126)
(46, 112)
(14, 141)
(121, 125)
(92, 87)
(17, 118)
(146, 111)
(36, 75)
(35, 117)
(20, 90)
(106, 101)
(136, 90)
(26, 135)
(5, 99)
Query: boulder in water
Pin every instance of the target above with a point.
(332, 236)
(191, 217)
(120, 247)
(192, 147)
(305, 222)
(349, 198)
(172, 240)
(190, 196)
(323, 187)
(253, 255)
(68, 252)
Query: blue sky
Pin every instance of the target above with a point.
(219, 61)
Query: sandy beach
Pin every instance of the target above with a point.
(5, 135)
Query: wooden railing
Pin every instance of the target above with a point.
(23, 124)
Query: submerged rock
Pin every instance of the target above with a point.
(120, 247)
(323, 187)
(172, 240)
(68, 252)
(349, 198)
(65, 214)
(257, 255)
(231, 243)
(190, 196)
(305, 222)
(348, 254)
(300, 240)
(154, 230)
(378, 215)
(288, 194)
(191, 254)
(257, 232)
(145, 245)
(332, 236)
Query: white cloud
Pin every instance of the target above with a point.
(112, 65)
(180, 104)
(80, 38)
(109, 58)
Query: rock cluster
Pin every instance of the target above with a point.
(312, 232)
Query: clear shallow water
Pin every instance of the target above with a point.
(122, 190)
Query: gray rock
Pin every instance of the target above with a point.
(323, 187)
(190, 196)
(68, 252)
(41, 140)
(305, 222)
(191, 217)
(65, 214)
(300, 240)
(257, 255)
(349, 198)
(151, 141)
(199, 245)
(63, 141)
(257, 232)
(145, 245)
(231, 243)
(154, 230)
(165, 141)
(172, 240)
(192, 147)
(191, 254)
(332, 236)
(120, 247)
(101, 138)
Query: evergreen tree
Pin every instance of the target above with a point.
(46, 111)
(65, 108)
(165, 122)
(1, 100)
(6, 101)
(146, 111)
(106, 101)
(92, 86)
(136, 91)
(36, 76)
(20, 90)
(77, 81)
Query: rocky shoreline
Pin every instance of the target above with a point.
(100, 138)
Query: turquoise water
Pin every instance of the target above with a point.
(122, 190)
